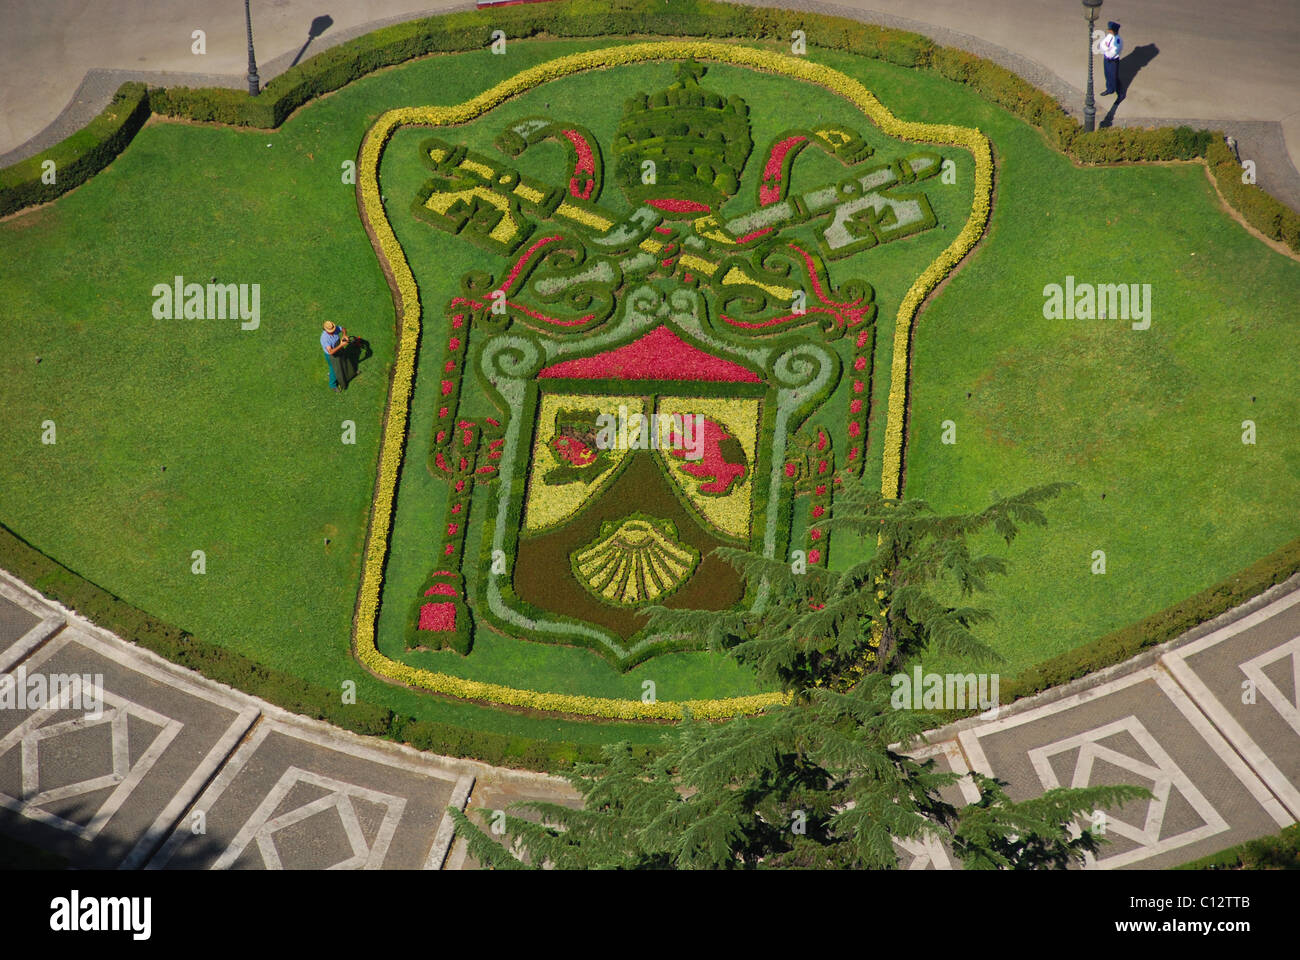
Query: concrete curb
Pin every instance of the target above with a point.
(98, 86)
(11, 586)
(445, 850)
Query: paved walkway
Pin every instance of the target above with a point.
(1186, 61)
(1209, 723)
(1191, 61)
(179, 772)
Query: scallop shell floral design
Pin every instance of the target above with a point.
(635, 560)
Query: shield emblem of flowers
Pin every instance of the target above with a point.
(679, 447)
(665, 371)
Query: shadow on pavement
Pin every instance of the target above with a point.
(1129, 65)
(318, 26)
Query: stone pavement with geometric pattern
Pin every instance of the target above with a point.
(173, 771)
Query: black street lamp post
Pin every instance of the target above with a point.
(254, 83)
(1089, 105)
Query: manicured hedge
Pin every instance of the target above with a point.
(1278, 852)
(78, 157)
(458, 32)
(284, 690)
(299, 696)
(697, 18)
(1018, 96)
(338, 66)
(1271, 218)
(90, 149)
(216, 105)
(1008, 90)
(1119, 144)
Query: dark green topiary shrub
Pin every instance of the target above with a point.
(1189, 143)
(1278, 852)
(80, 156)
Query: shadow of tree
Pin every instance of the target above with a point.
(26, 844)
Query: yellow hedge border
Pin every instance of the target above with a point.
(973, 140)
(407, 298)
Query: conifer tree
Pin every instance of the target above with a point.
(823, 780)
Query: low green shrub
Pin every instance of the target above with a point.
(1189, 143)
(89, 150)
(214, 105)
(338, 66)
(1126, 144)
(1278, 852)
(996, 83)
(1271, 218)
(78, 157)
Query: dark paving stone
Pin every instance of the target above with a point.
(90, 784)
(1132, 732)
(286, 800)
(14, 622)
(1250, 675)
(928, 853)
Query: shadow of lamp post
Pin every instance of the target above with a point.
(253, 82)
(1089, 105)
(318, 26)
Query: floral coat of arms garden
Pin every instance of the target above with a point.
(665, 343)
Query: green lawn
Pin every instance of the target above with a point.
(1149, 423)
(249, 436)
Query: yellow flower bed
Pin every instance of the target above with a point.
(408, 307)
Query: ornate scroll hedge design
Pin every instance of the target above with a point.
(563, 284)
(690, 263)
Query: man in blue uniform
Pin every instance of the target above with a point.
(1111, 48)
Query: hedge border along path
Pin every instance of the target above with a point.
(1280, 851)
(407, 303)
(292, 693)
(458, 32)
(78, 157)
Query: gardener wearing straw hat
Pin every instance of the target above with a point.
(332, 341)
